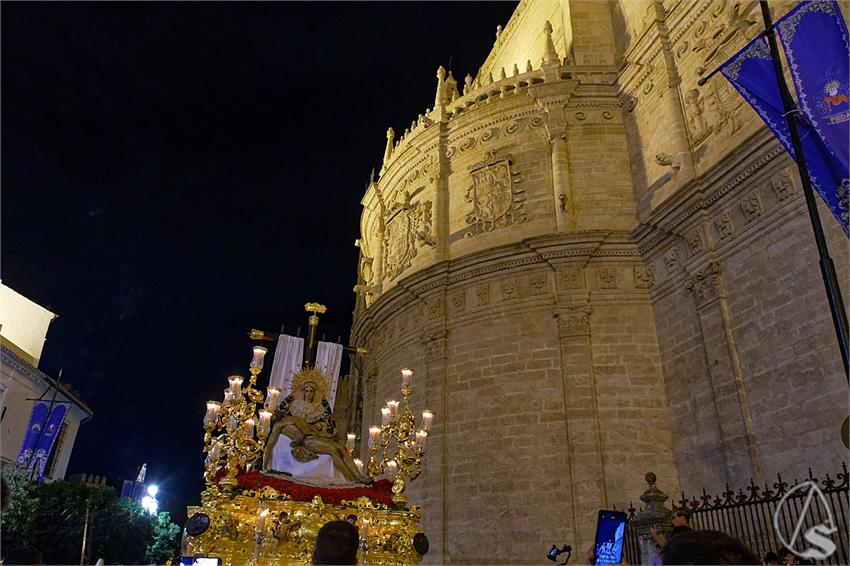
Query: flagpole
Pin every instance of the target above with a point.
(827, 268)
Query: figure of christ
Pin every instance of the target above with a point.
(305, 417)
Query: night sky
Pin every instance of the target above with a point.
(174, 175)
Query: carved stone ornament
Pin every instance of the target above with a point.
(724, 225)
(406, 224)
(509, 289)
(458, 301)
(483, 295)
(705, 284)
(539, 283)
(751, 206)
(607, 277)
(570, 277)
(573, 321)
(644, 276)
(496, 203)
(671, 259)
(782, 186)
(695, 241)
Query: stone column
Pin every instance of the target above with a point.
(586, 468)
(724, 368)
(654, 514)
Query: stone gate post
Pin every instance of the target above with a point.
(654, 514)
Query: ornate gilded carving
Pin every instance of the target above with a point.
(751, 206)
(509, 289)
(607, 277)
(406, 224)
(496, 203)
(573, 321)
(705, 284)
(724, 225)
(644, 276)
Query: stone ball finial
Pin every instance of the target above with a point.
(650, 478)
(441, 72)
(547, 27)
(390, 133)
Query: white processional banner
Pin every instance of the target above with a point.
(288, 357)
(328, 359)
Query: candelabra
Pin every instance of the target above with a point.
(400, 444)
(236, 420)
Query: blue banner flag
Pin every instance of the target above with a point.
(38, 417)
(49, 435)
(752, 73)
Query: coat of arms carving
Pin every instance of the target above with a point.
(496, 203)
(406, 224)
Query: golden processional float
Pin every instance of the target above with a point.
(252, 514)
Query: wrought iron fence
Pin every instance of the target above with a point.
(748, 514)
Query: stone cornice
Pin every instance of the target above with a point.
(41, 379)
(756, 152)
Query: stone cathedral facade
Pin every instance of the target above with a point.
(596, 268)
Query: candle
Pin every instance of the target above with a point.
(421, 437)
(259, 356)
(235, 387)
(374, 435)
(248, 428)
(359, 463)
(406, 376)
(265, 423)
(385, 415)
(271, 398)
(210, 419)
(261, 520)
(392, 468)
(349, 441)
(393, 406)
(427, 417)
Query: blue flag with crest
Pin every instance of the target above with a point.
(816, 44)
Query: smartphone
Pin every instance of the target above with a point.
(610, 535)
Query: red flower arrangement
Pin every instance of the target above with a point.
(379, 492)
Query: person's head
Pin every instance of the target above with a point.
(707, 547)
(787, 557)
(771, 558)
(336, 543)
(681, 518)
(309, 391)
(23, 555)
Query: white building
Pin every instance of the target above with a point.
(23, 328)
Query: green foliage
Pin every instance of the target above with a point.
(166, 542)
(51, 517)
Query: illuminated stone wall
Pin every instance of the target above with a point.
(596, 269)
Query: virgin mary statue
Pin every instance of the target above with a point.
(303, 440)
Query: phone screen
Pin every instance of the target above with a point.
(610, 534)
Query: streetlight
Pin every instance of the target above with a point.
(149, 502)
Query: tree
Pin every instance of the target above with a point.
(165, 542)
(51, 518)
